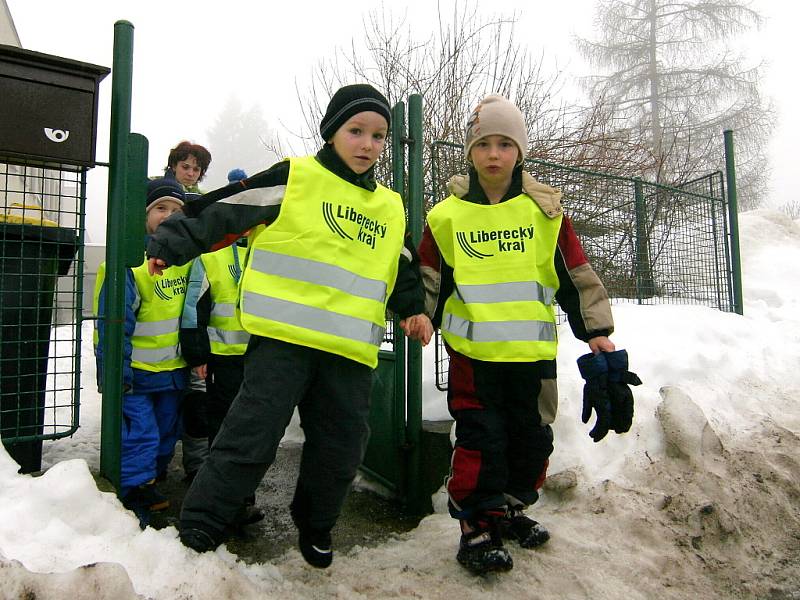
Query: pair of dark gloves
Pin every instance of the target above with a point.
(607, 391)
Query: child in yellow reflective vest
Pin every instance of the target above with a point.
(494, 256)
(328, 253)
(154, 373)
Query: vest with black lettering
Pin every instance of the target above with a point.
(155, 338)
(223, 272)
(321, 274)
(501, 308)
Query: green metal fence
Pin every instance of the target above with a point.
(41, 278)
(649, 243)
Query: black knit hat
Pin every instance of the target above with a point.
(351, 100)
(164, 187)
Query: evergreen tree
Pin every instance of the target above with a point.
(674, 79)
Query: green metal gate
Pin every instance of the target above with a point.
(393, 455)
(41, 277)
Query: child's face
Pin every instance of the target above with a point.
(494, 158)
(187, 171)
(360, 141)
(159, 212)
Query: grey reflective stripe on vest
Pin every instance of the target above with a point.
(257, 196)
(228, 337)
(223, 309)
(316, 319)
(153, 356)
(514, 291)
(500, 331)
(151, 328)
(319, 273)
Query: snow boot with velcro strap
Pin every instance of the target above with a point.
(481, 547)
(515, 525)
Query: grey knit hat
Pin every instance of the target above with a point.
(495, 115)
(351, 100)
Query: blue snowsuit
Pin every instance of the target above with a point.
(150, 407)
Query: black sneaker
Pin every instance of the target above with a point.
(515, 525)
(481, 550)
(316, 547)
(198, 540)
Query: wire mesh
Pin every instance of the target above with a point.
(648, 243)
(41, 276)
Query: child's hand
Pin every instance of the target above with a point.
(418, 327)
(156, 266)
(201, 371)
(601, 344)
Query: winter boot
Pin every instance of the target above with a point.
(515, 525)
(316, 548)
(147, 496)
(315, 544)
(143, 500)
(252, 514)
(199, 540)
(247, 515)
(481, 548)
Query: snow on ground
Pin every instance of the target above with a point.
(700, 499)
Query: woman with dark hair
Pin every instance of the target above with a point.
(188, 164)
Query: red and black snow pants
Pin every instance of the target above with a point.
(502, 444)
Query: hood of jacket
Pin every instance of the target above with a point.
(546, 197)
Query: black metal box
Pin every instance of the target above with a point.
(48, 108)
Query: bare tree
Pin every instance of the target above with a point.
(465, 57)
(791, 209)
(673, 78)
(239, 138)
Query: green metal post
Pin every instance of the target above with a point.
(398, 184)
(414, 353)
(135, 193)
(111, 417)
(733, 217)
(645, 287)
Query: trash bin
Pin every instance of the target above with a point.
(32, 257)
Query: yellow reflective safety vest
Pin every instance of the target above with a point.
(223, 271)
(320, 275)
(155, 338)
(505, 281)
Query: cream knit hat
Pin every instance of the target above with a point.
(496, 116)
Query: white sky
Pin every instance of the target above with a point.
(189, 57)
(622, 532)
